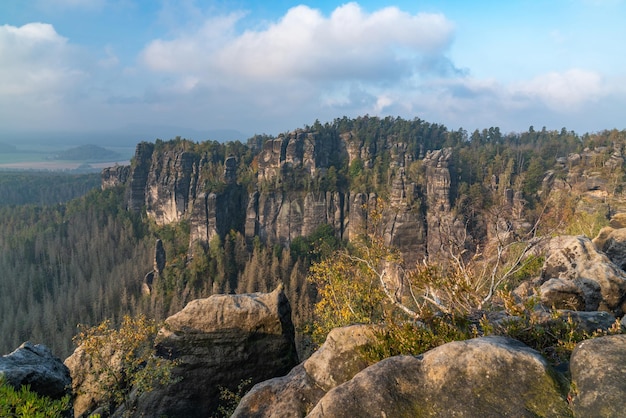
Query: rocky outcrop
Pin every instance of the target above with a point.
(173, 183)
(85, 385)
(466, 378)
(308, 151)
(139, 173)
(598, 368)
(443, 227)
(114, 176)
(168, 185)
(612, 242)
(157, 270)
(36, 366)
(221, 341)
(576, 276)
(281, 217)
(294, 395)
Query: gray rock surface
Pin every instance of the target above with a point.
(221, 341)
(613, 243)
(598, 369)
(577, 276)
(294, 395)
(170, 185)
(35, 365)
(483, 377)
(85, 386)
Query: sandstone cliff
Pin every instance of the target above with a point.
(299, 184)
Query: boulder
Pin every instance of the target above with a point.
(482, 377)
(598, 368)
(35, 365)
(590, 322)
(577, 276)
(336, 362)
(85, 385)
(219, 342)
(613, 243)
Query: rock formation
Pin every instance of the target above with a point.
(598, 368)
(157, 270)
(336, 362)
(444, 229)
(489, 376)
(576, 276)
(87, 392)
(221, 341)
(35, 365)
(115, 176)
(170, 184)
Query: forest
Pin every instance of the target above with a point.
(72, 253)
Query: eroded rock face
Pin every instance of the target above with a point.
(114, 176)
(170, 185)
(598, 368)
(35, 365)
(139, 176)
(294, 395)
(489, 376)
(441, 224)
(85, 386)
(221, 341)
(576, 276)
(612, 242)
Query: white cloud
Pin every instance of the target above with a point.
(564, 91)
(349, 44)
(34, 60)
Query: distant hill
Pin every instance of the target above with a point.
(87, 153)
(7, 147)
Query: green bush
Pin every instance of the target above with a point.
(27, 404)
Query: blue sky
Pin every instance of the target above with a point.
(270, 67)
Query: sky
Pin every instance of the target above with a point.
(199, 66)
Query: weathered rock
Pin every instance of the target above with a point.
(171, 185)
(289, 396)
(590, 321)
(85, 386)
(576, 276)
(336, 362)
(483, 377)
(114, 176)
(598, 368)
(221, 341)
(139, 176)
(35, 365)
(442, 225)
(167, 190)
(613, 243)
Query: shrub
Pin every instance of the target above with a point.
(23, 403)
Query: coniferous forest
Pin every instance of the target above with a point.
(72, 253)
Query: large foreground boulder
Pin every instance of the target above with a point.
(294, 395)
(482, 377)
(598, 369)
(35, 365)
(220, 342)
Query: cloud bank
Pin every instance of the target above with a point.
(275, 76)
